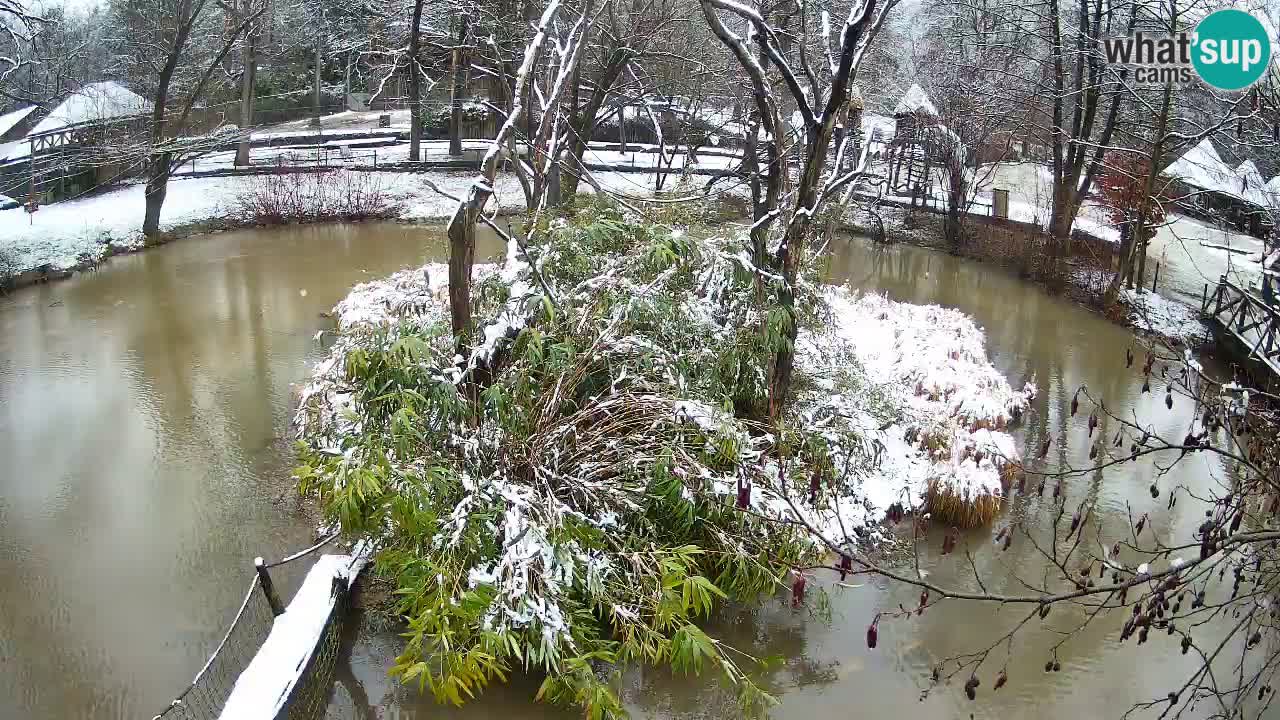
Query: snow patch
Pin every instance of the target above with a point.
(1158, 315)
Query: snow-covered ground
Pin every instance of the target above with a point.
(366, 152)
(1183, 246)
(337, 123)
(1154, 313)
(64, 235)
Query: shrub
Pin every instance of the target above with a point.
(334, 195)
(588, 491)
(9, 267)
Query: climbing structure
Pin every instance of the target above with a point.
(909, 161)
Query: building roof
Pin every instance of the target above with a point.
(1252, 186)
(8, 120)
(1272, 191)
(93, 103)
(1202, 167)
(916, 100)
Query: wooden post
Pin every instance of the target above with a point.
(268, 588)
(1156, 278)
(1000, 203)
(315, 110)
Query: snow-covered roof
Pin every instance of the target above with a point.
(1272, 191)
(878, 127)
(916, 100)
(1251, 185)
(1203, 168)
(8, 120)
(95, 102)
(14, 150)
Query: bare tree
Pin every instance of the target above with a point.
(415, 82)
(818, 107)
(248, 68)
(19, 27)
(462, 227)
(165, 46)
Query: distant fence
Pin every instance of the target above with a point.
(208, 692)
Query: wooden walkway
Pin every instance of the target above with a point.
(1248, 326)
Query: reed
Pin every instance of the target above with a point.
(949, 507)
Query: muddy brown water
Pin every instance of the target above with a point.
(141, 414)
(142, 463)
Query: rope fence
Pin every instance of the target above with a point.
(204, 697)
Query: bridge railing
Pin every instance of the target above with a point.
(1254, 323)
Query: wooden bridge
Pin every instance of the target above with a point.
(1247, 326)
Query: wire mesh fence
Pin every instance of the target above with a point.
(204, 698)
(311, 695)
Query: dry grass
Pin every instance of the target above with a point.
(949, 507)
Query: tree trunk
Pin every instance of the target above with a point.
(583, 118)
(462, 247)
(955, 199)
(1140, 242)
(791, 256)
(157, 164)
(249, 60)
(459, 90)
(1062, 217)
(554, 187)
(1124, 262)
(415, 85)
(157, 188)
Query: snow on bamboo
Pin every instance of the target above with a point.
(931, 409)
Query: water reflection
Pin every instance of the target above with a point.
(142, 415)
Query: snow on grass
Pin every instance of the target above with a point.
(924, 368)
(1158, 315)
(65, 234)
(266, 684)
(69, 234)
(952, 406)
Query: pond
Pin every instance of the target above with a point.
(144, 408)
(143, 416)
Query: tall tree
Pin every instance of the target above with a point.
(248, 69)
(415, 82)
(460, 58)
(818, 108)
(166, 46)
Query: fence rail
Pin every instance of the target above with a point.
(1249, 320)
(203, 698)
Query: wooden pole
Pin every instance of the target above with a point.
(268, 588)
(315, 110)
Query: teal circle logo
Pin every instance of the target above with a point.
(1232, 49)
